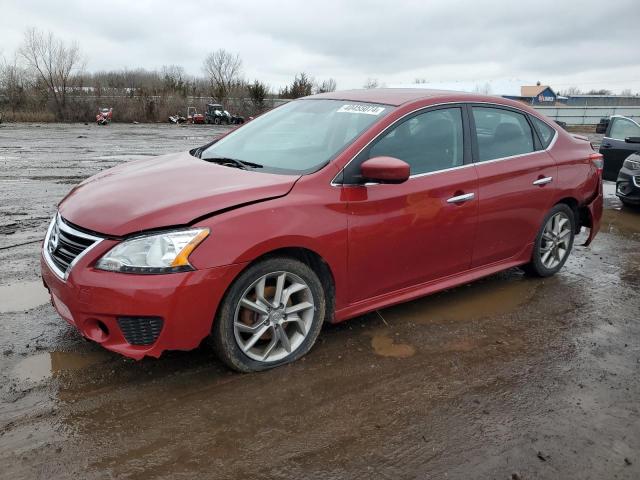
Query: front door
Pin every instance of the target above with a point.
(423, 229)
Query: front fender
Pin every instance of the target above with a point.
(293, 221)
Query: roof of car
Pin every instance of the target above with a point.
(388, 96)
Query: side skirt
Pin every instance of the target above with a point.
(420, 290)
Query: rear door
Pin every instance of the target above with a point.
(420, 230)
(614, 149)
(515, 181)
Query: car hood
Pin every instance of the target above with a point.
(165, 191)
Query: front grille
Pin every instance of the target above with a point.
(140, 330)
(64, 244)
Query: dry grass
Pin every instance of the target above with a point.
(28, 117)
(142, 109)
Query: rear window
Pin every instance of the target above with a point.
(545, 132)
(501, 133)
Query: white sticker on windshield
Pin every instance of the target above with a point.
(357, 108)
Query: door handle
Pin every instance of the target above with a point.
(605, 145)
(543, 181)
(461, 198)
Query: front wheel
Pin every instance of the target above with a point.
(553, 242)
(271, 315)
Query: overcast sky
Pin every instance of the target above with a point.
(589, 44)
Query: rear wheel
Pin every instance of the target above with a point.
(553, 242)
(271, 315)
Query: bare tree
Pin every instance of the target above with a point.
(371, 83)
(571, 91)
(224, 70)
(174, 79)
(599, 91)
(53, 62)
(328, 85)
(14, 82)
(483, 89)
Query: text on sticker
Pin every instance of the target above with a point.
(366, 109)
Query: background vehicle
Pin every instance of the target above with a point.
(104, 116)
(322, 209)
(194, 117)
(177, 118)
(217, 115)
(602, 125)
(628, 182)
(618, 143)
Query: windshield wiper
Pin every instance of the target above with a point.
(233, 162)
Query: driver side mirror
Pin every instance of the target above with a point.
(632, 140)
(385, 170)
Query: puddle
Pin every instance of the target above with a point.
(477, 300)
(44, 365)
(22, 296)
(384, 345)
(625, 222)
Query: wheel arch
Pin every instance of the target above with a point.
(309, 257)
(580, 213)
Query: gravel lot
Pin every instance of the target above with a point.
(508, 378)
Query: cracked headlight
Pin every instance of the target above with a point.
(166, 252)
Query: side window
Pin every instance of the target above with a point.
(623, 128)
(428, 142)
(501, 133)
(545, 132)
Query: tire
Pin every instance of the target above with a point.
(216, 120)
(553, 243)
(236, 326)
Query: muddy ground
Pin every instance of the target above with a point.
(505, 378)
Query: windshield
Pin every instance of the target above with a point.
(299, 137)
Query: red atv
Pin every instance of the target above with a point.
(194, 117)
(104, 116)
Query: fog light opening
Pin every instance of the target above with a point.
(103, 328)
(96, 330)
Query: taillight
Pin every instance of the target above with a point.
(597, 160)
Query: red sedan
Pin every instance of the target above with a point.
(322, 209)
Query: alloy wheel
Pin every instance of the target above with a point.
(273, 317)
(556, 237)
